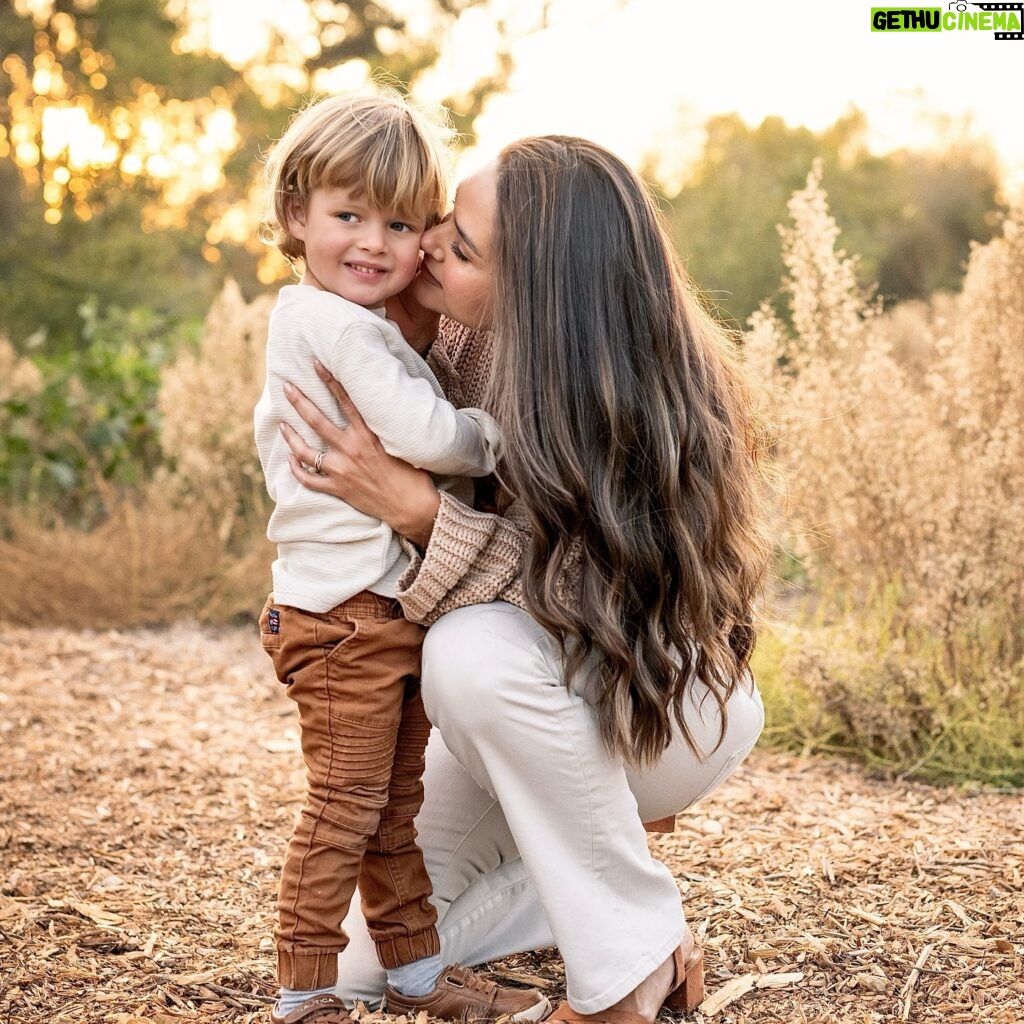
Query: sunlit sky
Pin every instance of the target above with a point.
(643, 75)
(640, 76)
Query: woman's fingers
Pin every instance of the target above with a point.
(345, 403)
(299, 448)
(305, 476)
(328, 432)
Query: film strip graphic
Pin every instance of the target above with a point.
(1018, 7)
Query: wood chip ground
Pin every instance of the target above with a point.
(148, 782)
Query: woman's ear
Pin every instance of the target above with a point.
(295, 215)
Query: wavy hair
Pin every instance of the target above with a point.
(631, 441)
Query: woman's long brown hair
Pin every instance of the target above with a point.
(629, 433)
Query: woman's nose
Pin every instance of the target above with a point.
(432, 241)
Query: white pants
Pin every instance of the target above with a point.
(530, 830)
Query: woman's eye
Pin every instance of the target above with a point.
(458, 253)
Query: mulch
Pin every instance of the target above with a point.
(148, 782)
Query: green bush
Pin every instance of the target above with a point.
(77, 426)
(872, 685)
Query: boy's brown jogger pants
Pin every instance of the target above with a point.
(354, 674)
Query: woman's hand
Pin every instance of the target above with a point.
(355, 467)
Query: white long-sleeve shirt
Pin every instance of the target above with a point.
(327, 551)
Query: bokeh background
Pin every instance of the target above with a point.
(849, 201)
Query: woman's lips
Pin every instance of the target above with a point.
(425, 273)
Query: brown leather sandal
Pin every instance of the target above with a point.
(565, 1014)
(686, 995)
(688, 992)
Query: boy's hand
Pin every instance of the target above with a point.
(417, 323)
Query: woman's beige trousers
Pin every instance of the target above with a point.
(531, 831)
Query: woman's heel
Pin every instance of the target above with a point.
(688, 993)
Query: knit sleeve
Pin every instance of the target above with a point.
(471, 558)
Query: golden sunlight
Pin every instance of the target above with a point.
(68, 133)
(64, 142)
(176, 147)
(38, 9)
(215, 27)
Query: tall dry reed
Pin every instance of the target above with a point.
(903, 455)
(206, 404)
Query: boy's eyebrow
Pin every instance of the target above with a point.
(465, 237)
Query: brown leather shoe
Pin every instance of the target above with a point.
(460, 995)
(316, 1010)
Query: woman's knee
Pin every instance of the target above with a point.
(473, 657)
(746, 718)
(456, 672)
(360, 975)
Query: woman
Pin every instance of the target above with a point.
(586, 665)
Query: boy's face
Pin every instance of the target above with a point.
(361, 253)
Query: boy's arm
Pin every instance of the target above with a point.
(411, 420)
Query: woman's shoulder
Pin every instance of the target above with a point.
(469, 351)
(460, 341)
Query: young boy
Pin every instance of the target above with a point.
(353, 184)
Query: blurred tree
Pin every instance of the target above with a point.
(130, 132)
(909, 216)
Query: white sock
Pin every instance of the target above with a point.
(417, 978)
(289, 999)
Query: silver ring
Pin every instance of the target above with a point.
(317, 465)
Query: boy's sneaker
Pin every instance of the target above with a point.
(316, 1010)
(460, 995)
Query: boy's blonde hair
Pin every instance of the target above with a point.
(378, 144)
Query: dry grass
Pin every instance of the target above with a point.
(206, 404)
(903, 459)
(150, 780)
(148, 562)
(903, 434)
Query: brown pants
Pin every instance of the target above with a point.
(354, 673)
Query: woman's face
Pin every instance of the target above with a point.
(456, 276)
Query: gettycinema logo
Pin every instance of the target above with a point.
(1004, 20)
